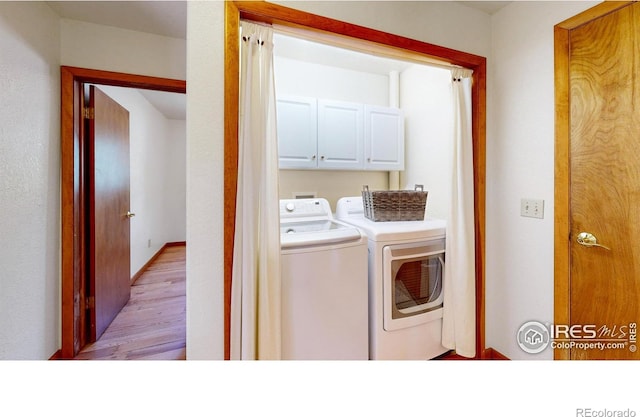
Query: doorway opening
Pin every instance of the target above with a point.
(360, 39)
(75, 215)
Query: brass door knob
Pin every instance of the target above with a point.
(589, 240)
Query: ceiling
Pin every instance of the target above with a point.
(489, 7)
(318, 53)
(172, 105)
(166, 18)
(169, 18)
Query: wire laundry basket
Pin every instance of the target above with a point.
(390, 206)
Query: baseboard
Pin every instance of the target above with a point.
(180, 243)
(487, 354)
(142, 270)
(492, 354)
(56, 356)
(451, 356)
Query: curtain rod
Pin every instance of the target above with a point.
(361, 46)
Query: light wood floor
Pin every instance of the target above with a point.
(153, 323)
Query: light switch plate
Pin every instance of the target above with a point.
(532, 208)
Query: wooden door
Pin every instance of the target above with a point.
(604, 86)
(109, 259)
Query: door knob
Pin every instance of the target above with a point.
(589, 240)
(130, 214)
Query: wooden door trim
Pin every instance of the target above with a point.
(73, 188)
(291, 18)
(562, 224)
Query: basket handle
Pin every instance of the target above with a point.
(365, 188)
(419, 187)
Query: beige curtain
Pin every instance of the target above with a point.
(255, 289)
(458, 329)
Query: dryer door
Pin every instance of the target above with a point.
(412, 293)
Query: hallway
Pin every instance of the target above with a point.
(153, 323)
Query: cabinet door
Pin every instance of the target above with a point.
(384, 139)
(297, 132)
(340, 135)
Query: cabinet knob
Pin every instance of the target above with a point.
(313, 158)
(322, 158)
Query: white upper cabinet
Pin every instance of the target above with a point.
(340, 135)
(384, 138)
(337, 135)
(297, 132)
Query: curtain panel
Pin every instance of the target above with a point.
(459, 319)
(255, 288)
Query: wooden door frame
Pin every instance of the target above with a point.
(562, 203)
(411, 49)
(74, 191)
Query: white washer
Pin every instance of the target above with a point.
(406, 266)
(324, 284)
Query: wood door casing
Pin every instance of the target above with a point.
(360, 38)
(74, 190)
(598, 177)
(109, 245)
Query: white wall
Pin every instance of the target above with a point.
(425, 98)
(443, 23)
(520, 163)
(330, 184)
(157, 176)
(299, 78)
(108, 48)
(175, 203)
(205, 193)
(29, 181)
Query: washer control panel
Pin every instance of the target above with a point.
(305, 207)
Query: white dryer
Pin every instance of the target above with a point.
(324, 284)
(406, 268)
